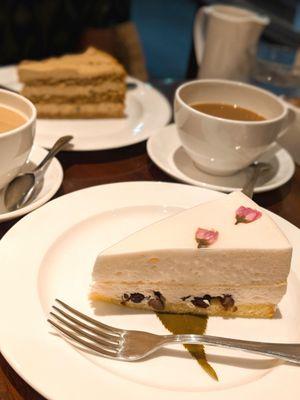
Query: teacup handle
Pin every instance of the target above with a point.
(289, 119)
(199, 40)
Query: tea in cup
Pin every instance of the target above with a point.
(224, 125)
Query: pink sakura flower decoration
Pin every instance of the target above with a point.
(246, 215)
(205, 237)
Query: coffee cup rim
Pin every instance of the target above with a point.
(29, 120)
(284, 105)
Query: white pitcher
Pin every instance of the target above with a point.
(225, 39)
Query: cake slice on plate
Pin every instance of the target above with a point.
(87, 85)
(226, 257)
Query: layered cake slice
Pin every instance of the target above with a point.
(226, 257)
(87, 85)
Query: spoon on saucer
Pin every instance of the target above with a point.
(24, 187)
(257, 169)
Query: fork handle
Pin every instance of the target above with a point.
(285, 351)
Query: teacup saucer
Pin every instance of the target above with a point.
(165, 150)
(51, 183)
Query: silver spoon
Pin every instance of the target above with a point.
(23, 187)
(257, 169)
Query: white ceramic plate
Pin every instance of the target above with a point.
(51, 183)
(50, 253)
(166, 152)
(147, 110)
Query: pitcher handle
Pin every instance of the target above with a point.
(199, 41)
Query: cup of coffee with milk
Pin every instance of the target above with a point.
(224, 125)
(17, 130)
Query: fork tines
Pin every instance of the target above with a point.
(86, 331)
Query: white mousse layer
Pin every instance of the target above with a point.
(205, 266)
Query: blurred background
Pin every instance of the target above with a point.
(152, 38)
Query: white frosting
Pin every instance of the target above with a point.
(178, 231)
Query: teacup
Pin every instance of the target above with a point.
(16, 144)
(222, 146)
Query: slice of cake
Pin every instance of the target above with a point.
(87, 85)
(226, 257)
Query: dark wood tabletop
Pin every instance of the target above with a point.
(84, 169)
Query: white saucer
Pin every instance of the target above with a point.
(51, 183)
(147, 110)
(166, 152)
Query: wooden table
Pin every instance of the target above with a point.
(130, 164)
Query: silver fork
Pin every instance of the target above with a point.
(129, 345)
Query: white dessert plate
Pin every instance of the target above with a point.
(49, 186)
(166, 152)
(50, 253)
(147, 111)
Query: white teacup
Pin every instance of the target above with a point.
(222, 146)
(15, 144)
